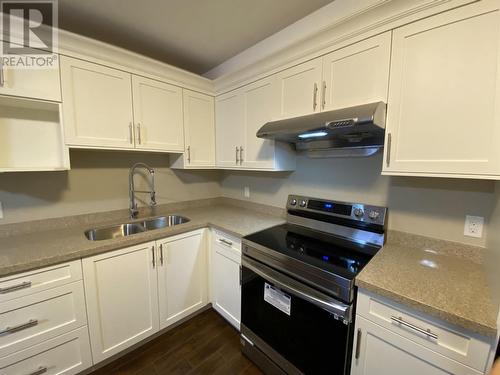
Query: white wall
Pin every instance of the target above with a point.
(428, 206)
(98, 181)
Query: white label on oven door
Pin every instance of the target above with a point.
(277, 298)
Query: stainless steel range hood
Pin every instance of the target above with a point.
(349, 132)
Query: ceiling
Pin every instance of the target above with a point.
(195, 35)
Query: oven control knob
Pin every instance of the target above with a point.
(374, 215)
(293, 202)
(303, 203)
(358, 212)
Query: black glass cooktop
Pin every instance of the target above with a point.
(330, 253)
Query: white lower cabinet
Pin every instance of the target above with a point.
(182, 276)
(391, 339)
(134, 292)
(226, 288)
(67, 354)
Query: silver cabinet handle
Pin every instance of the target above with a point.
(139, 138)
(131, 133)
(389, 144)
(225, 242)
(315, 96)
(13, 288)
(20, 327)
(241, 155)
(323, 95)
(161, 254)
(423, 331)
(154, 257)
(237, 150)
(2, 76)
(189, 154)
(41, 370)
(358, 344)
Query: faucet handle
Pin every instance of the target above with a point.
(153, 198)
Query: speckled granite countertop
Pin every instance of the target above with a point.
(443, 279)
(45, 244)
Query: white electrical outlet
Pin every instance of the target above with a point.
(246, 192)
(474, 226)
(1, 211)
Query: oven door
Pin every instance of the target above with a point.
(297, 327)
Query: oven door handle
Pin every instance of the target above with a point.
(333, 306)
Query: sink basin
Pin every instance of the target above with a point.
(114, 231)
(164, 221)
(123, 230)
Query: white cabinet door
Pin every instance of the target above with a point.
(382, 352)
(31, 83)
(298, 89)
(443, 113)
(182, 276)
(260, 103)
(158, 115)
(230, 128)
(199, 128)
(122, 298)
(226, 260)
(97, 105)
(357, 74)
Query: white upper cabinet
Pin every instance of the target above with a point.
(357, 74)
(97, 105)
(158, 115)
(443, 114)
(298, 89)
(31, 83)
(182, 276)
(229, 115)
(122, 298)
(199, 131)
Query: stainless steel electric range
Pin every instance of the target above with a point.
(298, 293)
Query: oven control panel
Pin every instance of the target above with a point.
(353, 211)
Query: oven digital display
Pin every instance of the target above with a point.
(325, 206)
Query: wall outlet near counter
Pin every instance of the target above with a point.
(474, 226)
(246, 191)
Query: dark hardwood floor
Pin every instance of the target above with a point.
(206, 344)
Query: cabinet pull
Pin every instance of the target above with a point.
(20, 327)
(139, 138)
(2, 76)
(131, 133)
(13, 288)
(241, 155)
(241, 275)
(423, 331)
(323, 95)
(358, 344)
(189, 154)
(161, 254)
(41, 370)
(315, 96)
(153, 253)
(225, 242)
(237, 150)
(388, 153)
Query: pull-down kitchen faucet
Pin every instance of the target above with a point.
(132, 191)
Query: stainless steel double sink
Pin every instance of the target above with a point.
(127, 229)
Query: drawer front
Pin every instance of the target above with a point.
(67, 354)
(227, 241)
(38, 280)
(35, 318)
(451, 341)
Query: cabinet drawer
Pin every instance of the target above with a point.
(26, 283)
(228, 242)
(67, 354)
(33, 319)
(465, 347)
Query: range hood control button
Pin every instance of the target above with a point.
(293, 202)
(358, 212)
(374, 215)
(303, 203)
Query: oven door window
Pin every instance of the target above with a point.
(304, 334)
